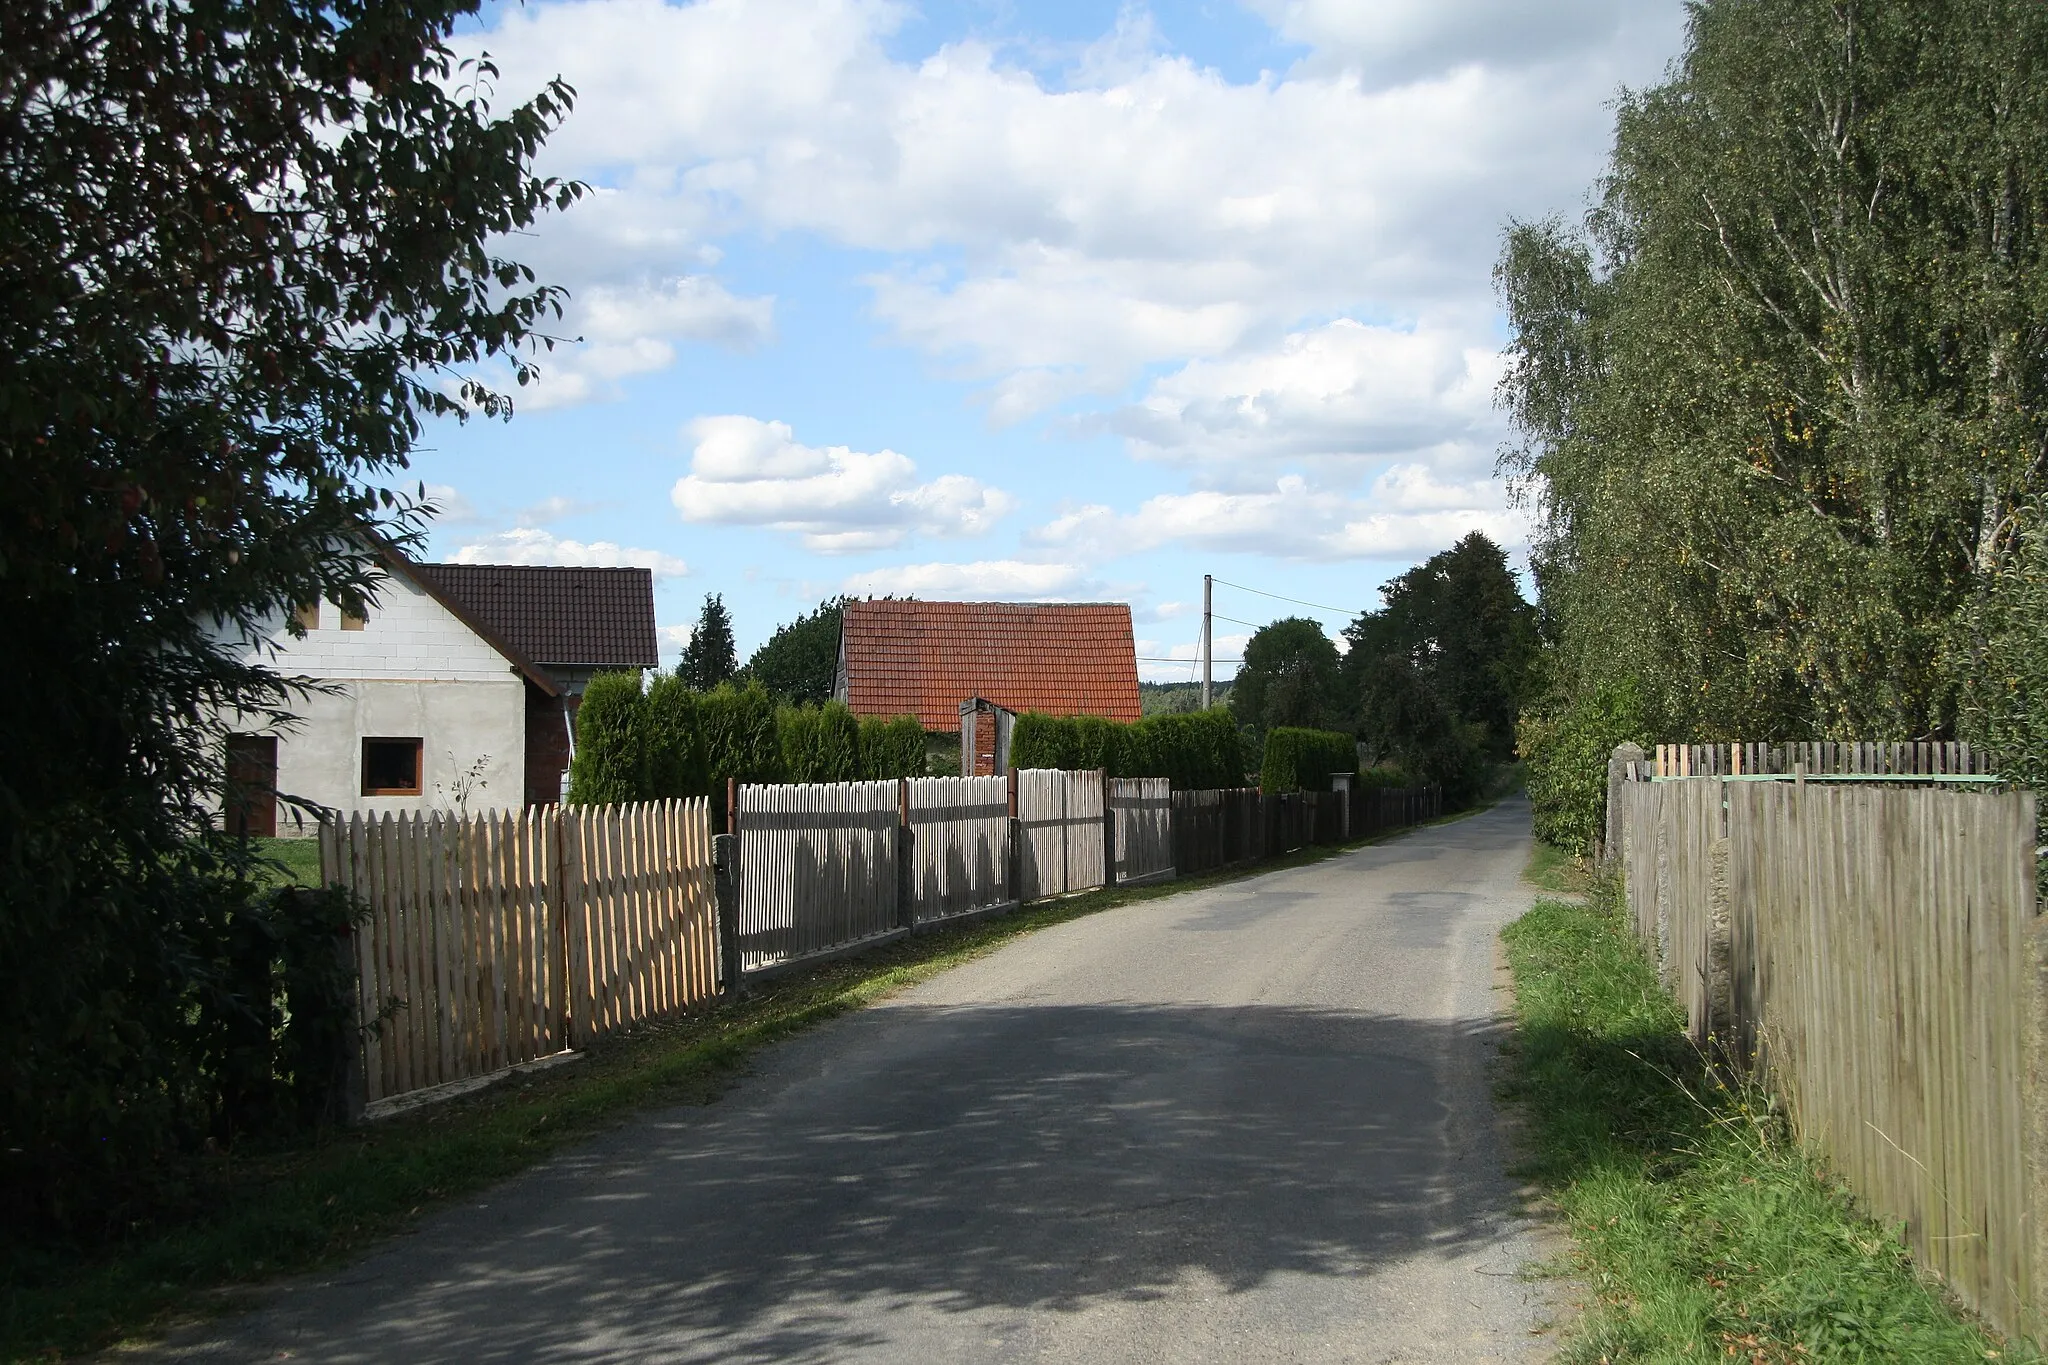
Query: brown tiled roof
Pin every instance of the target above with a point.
(554, 615)
(925, 658)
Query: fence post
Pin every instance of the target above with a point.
(1108, 834)
(1015, 855)
(906, 875)
(561, 979)
(725, 864)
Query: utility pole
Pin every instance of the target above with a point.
(1208, 584)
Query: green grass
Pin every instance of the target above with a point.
(1701, 1231)
(256, 1214)
(298, 860)
(1556, 871)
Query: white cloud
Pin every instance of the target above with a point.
(555, 508)
(982, 581)
(1343, 391)
(531, 545)
(747, 472)
(1406, 514)
(1392, 40)
(451, 507)
(1054, 235)
(633, 329)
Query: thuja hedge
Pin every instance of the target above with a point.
(670, 741)
(1196, 750)
(1302, 760)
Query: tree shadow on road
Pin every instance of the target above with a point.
(974, 1159)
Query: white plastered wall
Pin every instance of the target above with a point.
(414, 670)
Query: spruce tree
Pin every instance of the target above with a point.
(708, 659)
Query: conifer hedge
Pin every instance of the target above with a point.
(1194, 751)
(674, 742)
(1303, 760)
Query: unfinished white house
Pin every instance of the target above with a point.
(458, 689)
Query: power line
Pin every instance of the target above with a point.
(1148, 659)
(1341, 611)
(1219, 616)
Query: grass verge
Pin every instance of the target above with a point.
(1556, 871)
(1702, 1231)
(256, 1214)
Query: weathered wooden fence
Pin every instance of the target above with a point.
(1915, 758)
(1141, 819)
(818, 868)
(959, 846)
(1875, 952)
(500, 939)
(1060, 822)
(1216, 828)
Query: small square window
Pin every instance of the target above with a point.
(307, 614)
(391, 767)
(351, 621)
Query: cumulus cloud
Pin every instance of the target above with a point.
(629, 330)
(997, 580)
(1408, 513)
(1056, 234)
(747, 472)
(532, 545)
(1344, 391)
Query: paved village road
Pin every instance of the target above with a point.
(1248, 1123)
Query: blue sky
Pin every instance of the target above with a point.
(1050, 302)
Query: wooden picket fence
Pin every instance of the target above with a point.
(1141, 818)
(959, 846)
(818, 868)
(1872, 951)
(1060, 816)
(1917, 758)
(501, 939)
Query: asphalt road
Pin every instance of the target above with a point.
(1248, 1123)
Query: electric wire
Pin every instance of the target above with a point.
(1319, 606)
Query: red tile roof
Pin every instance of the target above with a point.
(556, 615)
(925, 658)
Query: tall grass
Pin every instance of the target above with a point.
(1702, 1231)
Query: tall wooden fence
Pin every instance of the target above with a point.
(1875, 952)
(1060, 817)
(501, 939)
(817, 868)
(1216, 828)
(1141, 820)
(959, 846)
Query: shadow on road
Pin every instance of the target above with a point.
(955, 1159)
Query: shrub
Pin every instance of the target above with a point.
(819, 743)
(1302, 760)
(610, 763)
(1567, 763)
(673, 760)
(894, 747)
(1194, 751)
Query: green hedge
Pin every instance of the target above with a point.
(892, 748)
(1566, 762)
(1302, 760)
(1194, 750)
(819, 743)
(675, 742)
(610, 726)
